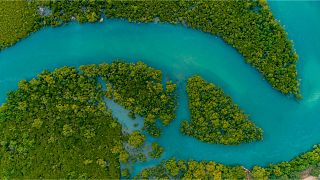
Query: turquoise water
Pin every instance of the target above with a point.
(290, 127)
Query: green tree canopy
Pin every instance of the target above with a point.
(248, 26)
(139, 89)
(214, 116)
(55, 126)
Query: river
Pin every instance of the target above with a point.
(290, 127)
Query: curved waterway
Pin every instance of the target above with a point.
(290, 127)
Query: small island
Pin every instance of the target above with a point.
(215, 118)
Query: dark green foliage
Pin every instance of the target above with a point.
(49, 126)
(315, 171)
(249, 26)
(138, 88)
(210, 170)
(157, 150)
(260, 173)
(56, 126)
(192, 170)
(157, 172)
(17, 20)
(125, 173)
(136, 139)
(215, 118)
(292, 168)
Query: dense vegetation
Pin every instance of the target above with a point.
(136, 139)
(55, 126)
(214, 116)
(131, 149)
(17, 20)
(138, 88)
(157, 150)
(191, 169)
(292, 169)
(249, 26)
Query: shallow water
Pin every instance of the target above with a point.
(290, 127)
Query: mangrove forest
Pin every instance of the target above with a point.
(214, 116)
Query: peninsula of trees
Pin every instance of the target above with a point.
(248, 26)
(58, 126)
(138, 88)
(191, 169)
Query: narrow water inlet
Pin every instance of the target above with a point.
(290, 128)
